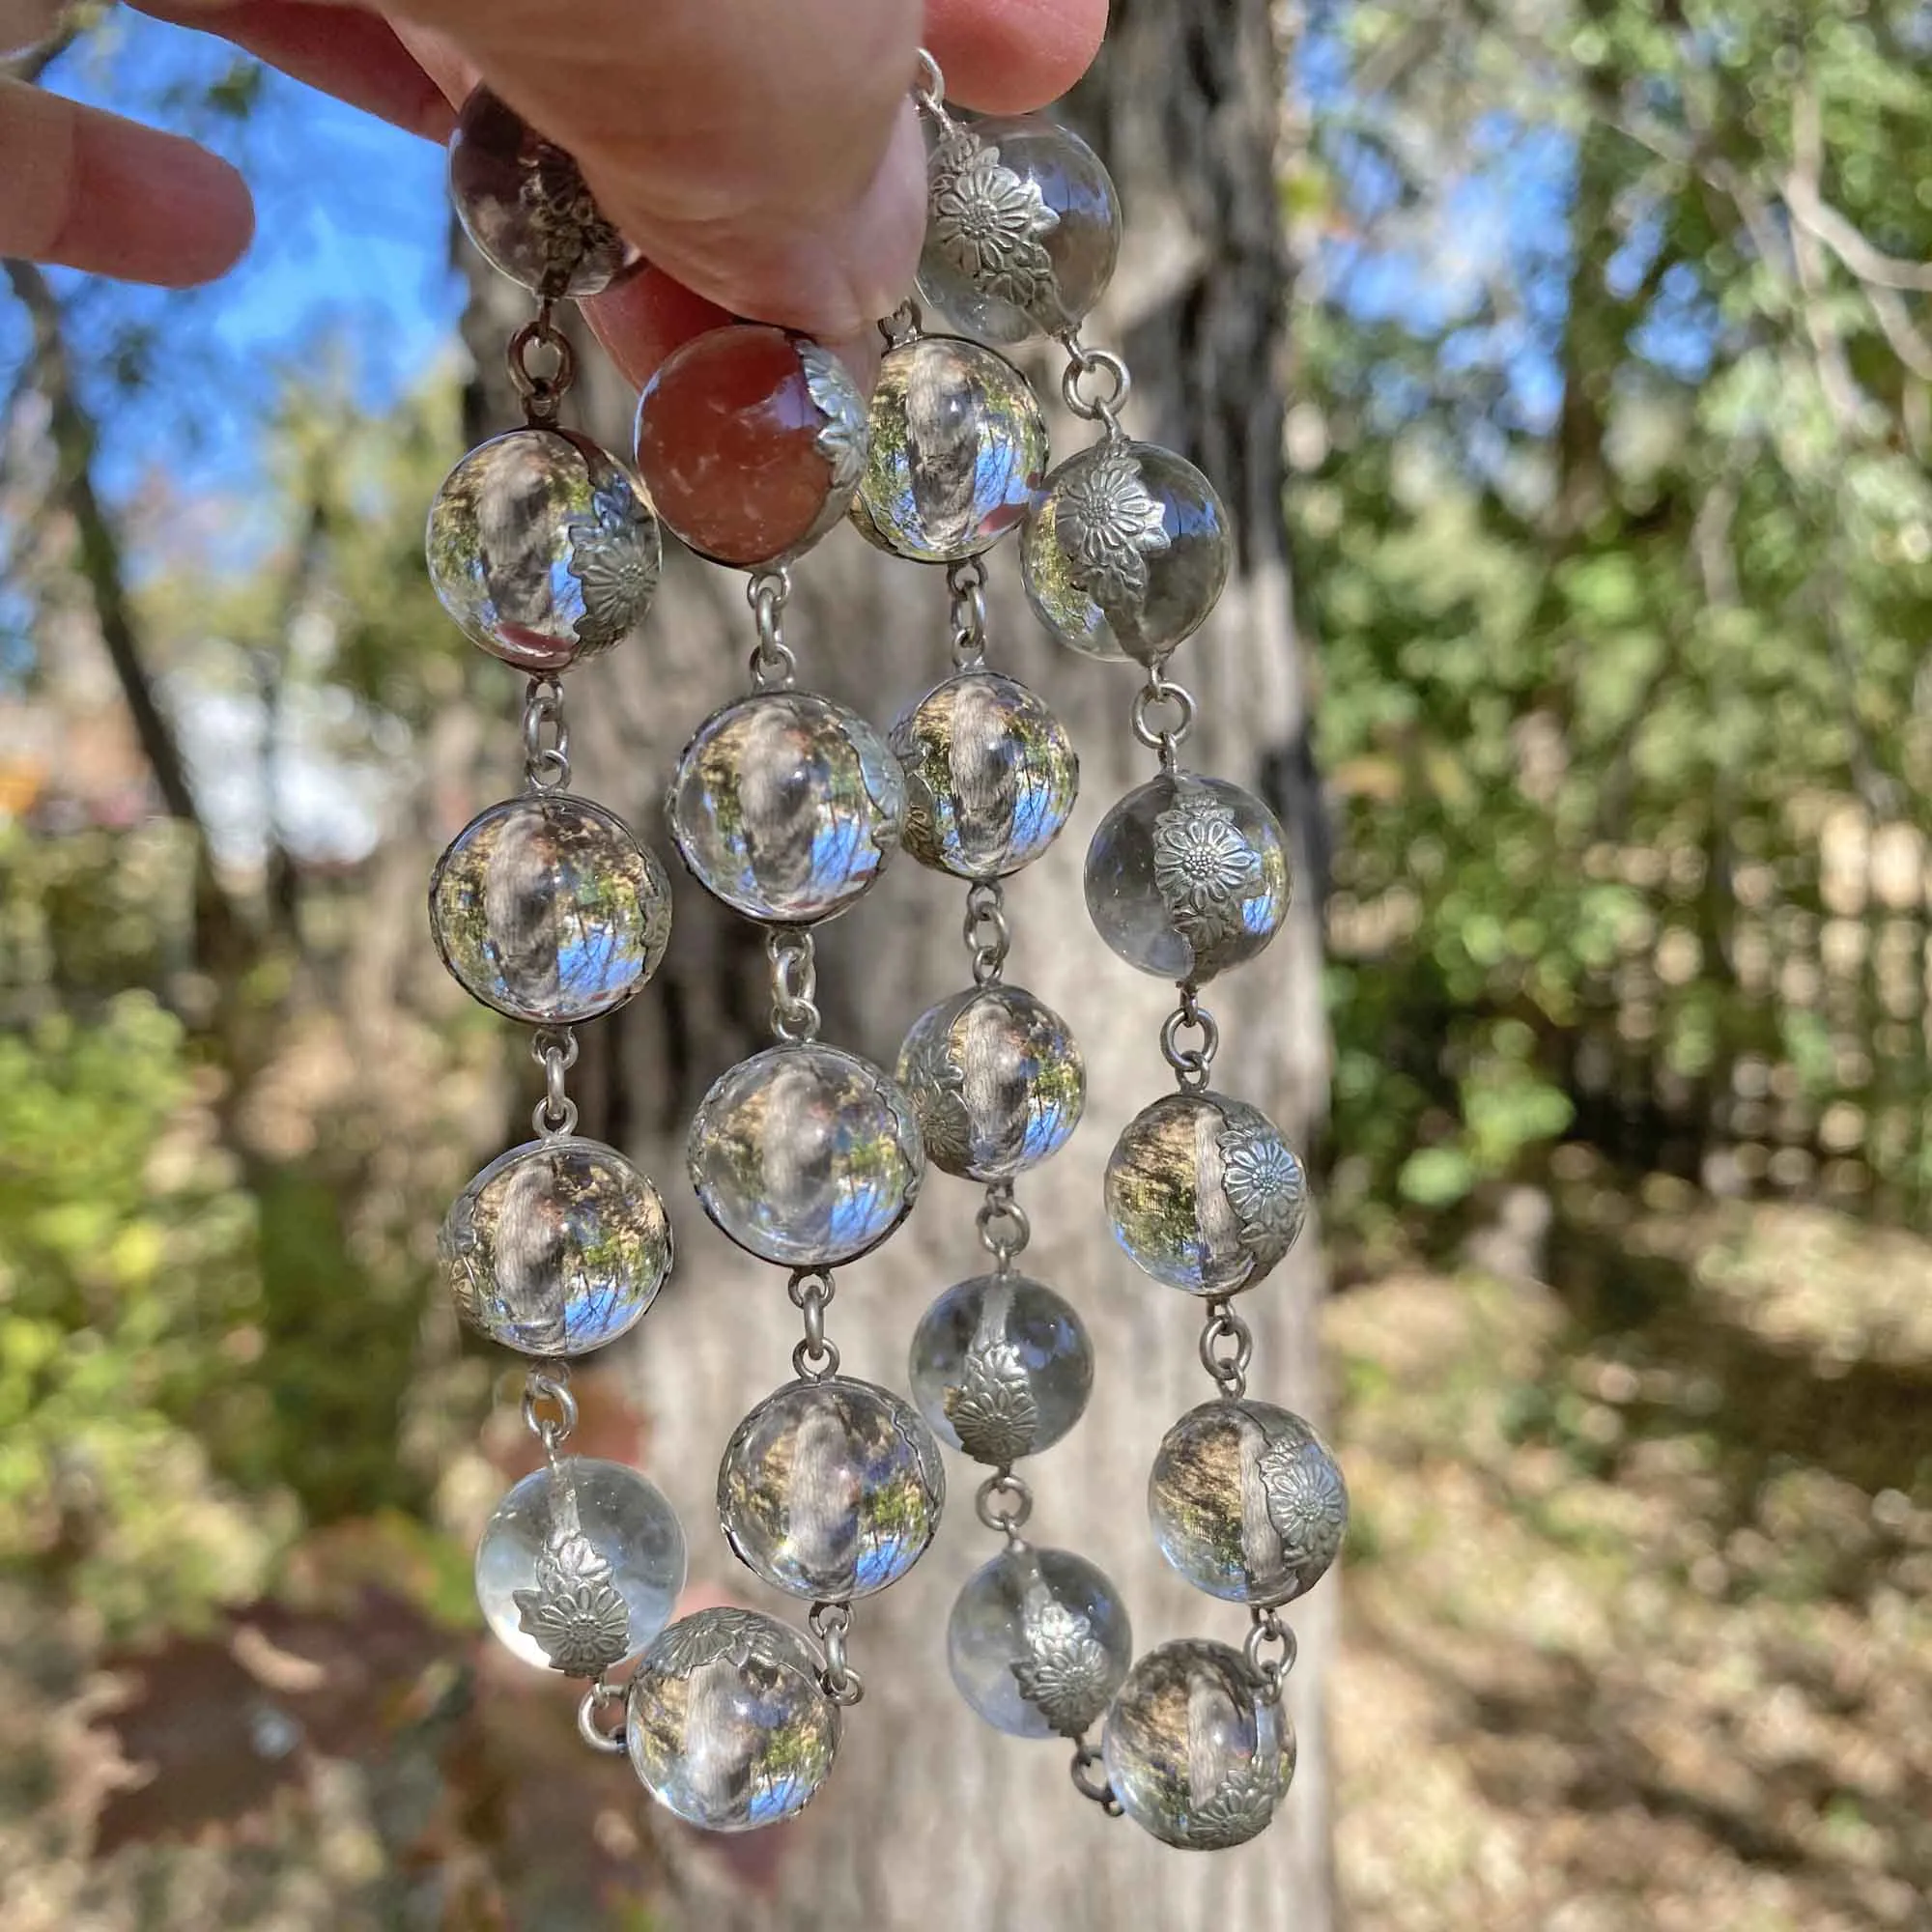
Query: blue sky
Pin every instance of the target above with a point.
(351, 247)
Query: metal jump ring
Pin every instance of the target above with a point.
(593, 1700)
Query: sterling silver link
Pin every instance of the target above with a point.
(1085, 1759)
(815, 1357)
(768, 592)
(967, 582)
(837, 1680)
(1092, 403)
(795, 1014)
(546, 737)
(555, 1050)
(1003, 1502)
(550, 1410)
(541, 392)
(1228, 1366)
(1003, 1225)
(601, 1693)
(1159, 690)
(1265, 1629)
(1190, 1064)
(986, 931)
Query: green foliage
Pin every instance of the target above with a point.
(1617, 552)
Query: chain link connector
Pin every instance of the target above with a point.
(1229, 1367)
(815, 1357)
(602, 1692)
(555, 1050)
(837, 1680)
(928, 87)
(773, 666)
(1084, 395)
(542, 393)
(1086, 1759)
(967, 582)
(546, 737)
(986, 931)
(1268, 1629)
(906, 324)
(1191, 1063)
(1003, 1502)
(1159, 690)
(550, 1410)
(794, 963)
(1003, 1225)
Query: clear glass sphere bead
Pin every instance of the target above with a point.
(991, 775)
(1204, 1194)
(1001, 1367)
(525, 205)
(1038, 1641)
(806, 1156)
(1187, 876)
(557, 1247)
(830, 1490)
(787, 805)
(726, 1722)
(578, 1566)
(1022, 229)
(751, 441)
(549, 911)
(996, 1080)
(958, 451)
(1246, 1502)
(542, 550)
(1126, 550)
(1192, 1753)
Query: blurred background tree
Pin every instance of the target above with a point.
(1603, 477)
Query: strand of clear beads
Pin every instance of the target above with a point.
(545, 909)
(1123, 552)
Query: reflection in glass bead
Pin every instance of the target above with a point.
(1126, 550)
(1246, 1502)
(556, 1248)
(726, 1722)
(787, 805)
(1204, 1193)
(806, 1156)
(541, 548)
(958, 450)
(1001, 1367)
(1187, 876)
(545, 909)
(1037, 1641)
(991, 775)
(580, 1565)
(996, 1080)
(1022, 226)
(830, 1490)
(523, 203)
(1192, 1753)
(751, 441)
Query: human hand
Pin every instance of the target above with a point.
(762, 153)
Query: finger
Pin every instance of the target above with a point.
(1011, 56)
(351, 54)
(90, 190)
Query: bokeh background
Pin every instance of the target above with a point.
(1594, 398)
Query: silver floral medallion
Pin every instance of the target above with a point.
(614, 567)
(693, 1643)
(575, 1613)
(1264, 1183)
(847, 436)
(935, 1081)
(986, 222)
(1067, 1673)
(1306, 1502)
(1241, 1808)
(993, 1410)
(1203, 869)
(567, 227)
(1109, 525)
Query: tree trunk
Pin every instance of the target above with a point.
(932, 1819)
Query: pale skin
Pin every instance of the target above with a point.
(762, 153)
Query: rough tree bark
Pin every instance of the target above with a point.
(932, 1819)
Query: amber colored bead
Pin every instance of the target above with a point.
(750, 442)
